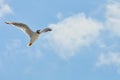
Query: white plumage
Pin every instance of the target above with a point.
(32, 35)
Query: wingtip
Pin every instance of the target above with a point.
(49, 29)
(7, 22)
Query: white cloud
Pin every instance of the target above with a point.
(74, 32)
(110, 59)
(113, 17)
(4, 8)
(79, 30)
(113, 25)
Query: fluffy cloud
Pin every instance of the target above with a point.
(74, 32)
(4, 8)
(113, 17)
(112, 58)
(113, 25)
(80, 30)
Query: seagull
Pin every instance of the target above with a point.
(31, 34)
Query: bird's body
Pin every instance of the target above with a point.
(33, 38)
(32, 35)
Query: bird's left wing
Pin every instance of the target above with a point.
(46, 30)
(23, 27)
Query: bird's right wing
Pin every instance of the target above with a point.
(23, 27)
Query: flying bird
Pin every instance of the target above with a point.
(32, 35)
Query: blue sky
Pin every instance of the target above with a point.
(84, 43)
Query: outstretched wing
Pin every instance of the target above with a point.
(23, 27)
(46, 30)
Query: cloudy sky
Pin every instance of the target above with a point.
(84, 43)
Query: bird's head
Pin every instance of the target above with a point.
(38, 31)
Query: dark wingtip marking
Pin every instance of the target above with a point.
(7, 22)
(49, 29)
